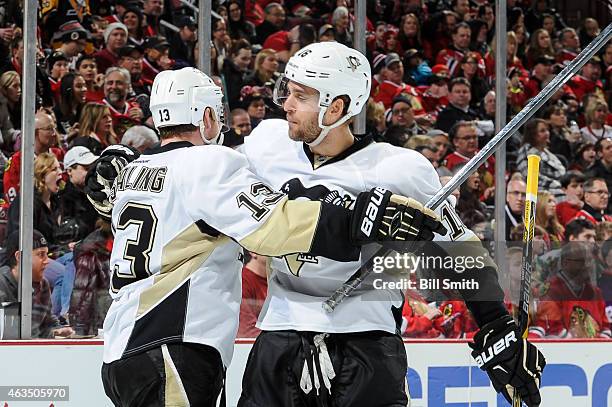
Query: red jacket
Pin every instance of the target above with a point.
(581, 86)
(487, 169)
(566, 212)
(105, 59)
(451, 57)
(562, 312)
(254, 291)
(12, 174)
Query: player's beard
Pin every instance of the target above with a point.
(306, 131)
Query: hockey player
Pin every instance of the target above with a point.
(180, 214)
(354, 356)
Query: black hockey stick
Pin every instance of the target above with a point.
(356, 279)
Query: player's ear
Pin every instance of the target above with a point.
(207, 117)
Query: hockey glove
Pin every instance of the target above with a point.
(381, 216)
(102, 174)
(512, 363)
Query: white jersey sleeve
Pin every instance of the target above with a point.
(228, 197)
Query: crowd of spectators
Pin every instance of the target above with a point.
(433, 65)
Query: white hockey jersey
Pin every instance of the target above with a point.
(180, 215)
(300, 283)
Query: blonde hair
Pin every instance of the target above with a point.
(375, 112)
(510, 36)
(7, 79)
(592, 106)
(43, 164)
(602, 229)
(91, 115)
(550, 224)
(263, 54)
(418, 140)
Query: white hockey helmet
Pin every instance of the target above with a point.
(333, 70)
(180, 97)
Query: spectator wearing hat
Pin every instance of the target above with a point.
(596, 113)
(452, 56)
(327, 33)
(417, 71)
(238, 26)
(394, 84)
(540, 73)
(134, 21)
(130, 58)
(182, 43)
(44, 323)
(379, 73)
(572, 186)
(57, 67)
(120, 8)
(115, 37)
(125, 113)
(274, 21)
(603, 165)
(73, 38)
(390, 41)
(403, 125)
(458, 109)
(156, 58)
(45, 138)
(596, 198)
(435, 96)
(235, 70)
(570, 45)
(88, 68)
(589, 81)
(75, 207)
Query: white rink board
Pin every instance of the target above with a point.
(579, 374)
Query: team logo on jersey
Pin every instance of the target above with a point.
(353, 62)
(295, 262)
(295, 189)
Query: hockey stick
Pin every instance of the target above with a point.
(357, 278)
(533, 171)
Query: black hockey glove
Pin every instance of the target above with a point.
(381, 216)
(512, 363)
(102, 174)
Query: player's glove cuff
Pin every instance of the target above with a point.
(379, 215)
(512, 363)
(101, 176)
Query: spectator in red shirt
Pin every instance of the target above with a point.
(540, 44)
(88, 68)
(572, 306)
(570, 45)
(464, 137)
(57, 67)
(45, 136)
(596, 197)
(589, 81)
(254, 291)
(394, 84)
(452, 56)
(125, 113)
(156, 58)
(541, 72)
(115, 37)
(572, 186)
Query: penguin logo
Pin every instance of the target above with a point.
(353, 62)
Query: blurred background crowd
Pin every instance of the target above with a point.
(433, 65)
